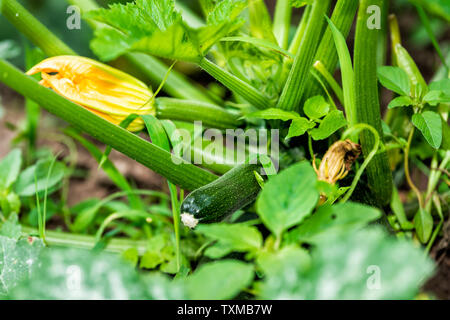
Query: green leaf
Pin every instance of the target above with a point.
(26, 184)
(236, 237)
(219, 280)
(80, 274)
(429, 123)
(316, 107)
(435, 97)
(367, 264)
(155, 27)
(274, 114)
(348, 74)
(334, 121)
(288, 198)
(402, 101)
(299, 126)
(17, 259)
(272, 263)
(335, 221)
(440, 8)
(441, 85)
(11, 228)
(407, 64)
(423, 222)
(395, 79)
(10, 168)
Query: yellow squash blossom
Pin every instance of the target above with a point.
(105, 91)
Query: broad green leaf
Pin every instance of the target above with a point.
(17, 259)
(436, 97)
(395, 79)
(10, 168)
(423, 221)
(337, 220)
(441, 85)
(219, 280)
(445, 135)
(155, 27)
(11, 228)
(238, 237)
(299, 126)
(334, 121)
(288, 198)
(79, 274)
(272, 263)
(274, 114)
(367, 264)
(429, 123)
(26, 185)
(402, 101)
(316, 107)
(9, 202)
(218, 250)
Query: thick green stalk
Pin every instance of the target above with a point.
(186, 175)
(299, 34)
(367, 101)
(81, 241)
(245, 90)
(282, 22)
(176, 84)
(304, 59)
(343, 15)
(33, 29)
(210, 115)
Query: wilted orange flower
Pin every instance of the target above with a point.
(106, 91)
(337, 161)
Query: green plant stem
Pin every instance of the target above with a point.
(360, 127)
(33, 29)
(435, 175)
(320, 67)
(407, 174)
(245, 90)
(184, 174)
(282, 22)
(426, 23)
(176, 221)
(368, 104)
(73, 240)
(211, 115)
(343, 15)
(298, 76)
(300, 33)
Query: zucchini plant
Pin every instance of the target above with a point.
(320, 174)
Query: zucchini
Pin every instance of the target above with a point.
(367, 102)
(229, 193)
